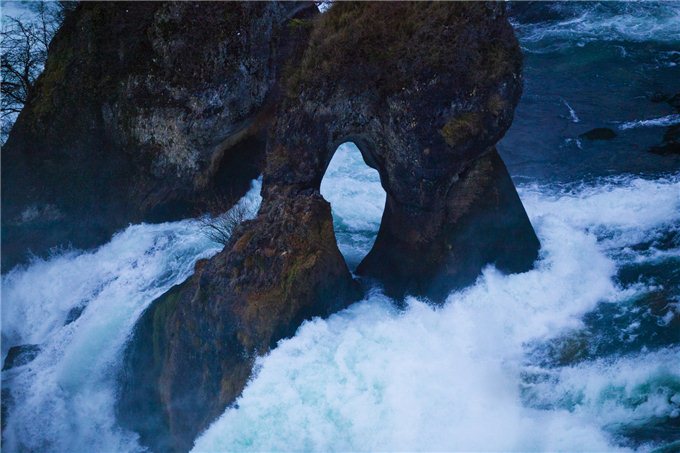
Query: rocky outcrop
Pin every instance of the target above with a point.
(144, 111)
(194, 349)
(425, 91)
(482, 222)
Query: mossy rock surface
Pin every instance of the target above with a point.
(193, 350)
(425, 90)
(145, 110)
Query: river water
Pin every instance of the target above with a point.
(581, 353)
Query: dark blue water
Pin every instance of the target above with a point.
(591, 65)
(608, 65)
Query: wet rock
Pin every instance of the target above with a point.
(599, 133)
(144, 111)
(74, 313)
(193, 350)
(483, 222)
(425, 91)
(424, 109)
(671, 142)
(671, 138)
(20, 355)
(659, 97)
(674, 101)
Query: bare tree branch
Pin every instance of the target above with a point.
(24, 41)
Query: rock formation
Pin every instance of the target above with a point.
(425, 91)
(194, 349)
(671, 137)
(144, 111)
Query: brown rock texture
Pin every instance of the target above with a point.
(193, 350)
(425, 90)
(145, 110)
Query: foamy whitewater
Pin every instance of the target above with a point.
(63, 401)
(572, 23)
(458, 377)
(464, 376)
(581, 353)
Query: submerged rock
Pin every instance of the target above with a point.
(674, 101)
(425, 91)
(20, 355)
(670, 143)
(671, 137)
(144, 111)
(599, 133)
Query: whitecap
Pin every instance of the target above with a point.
(667, 120)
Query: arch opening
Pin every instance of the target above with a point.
(357, 201)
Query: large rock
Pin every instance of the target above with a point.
(425, 91)
(144, 111)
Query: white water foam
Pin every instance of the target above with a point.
(64, 399)
(616, 392)
(370, 377)
(667, 120)
(637, 21)
(357, 200)
(450, 378)
(572, 113)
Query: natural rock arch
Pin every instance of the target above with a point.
(427, 119)
(425, 91)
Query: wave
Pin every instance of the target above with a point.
(374, 376)
(80, 307)
(551, 26)
(668, 120)
(436, 378)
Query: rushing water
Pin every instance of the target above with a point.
(581, 353)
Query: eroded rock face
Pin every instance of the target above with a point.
(144, 111)
(482, 222)
(194, 349)
(425, 91)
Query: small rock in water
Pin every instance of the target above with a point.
(20, 355)
(74, 314)
(659, 97)
(599, 133)
(674, 101)
(671, 142)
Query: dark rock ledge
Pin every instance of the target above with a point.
(425, 91)
(144, 112)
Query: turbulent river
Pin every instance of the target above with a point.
(581, 353)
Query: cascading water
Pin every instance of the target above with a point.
(484, 371)
(357, 200)
(581, 353)
(81, 308)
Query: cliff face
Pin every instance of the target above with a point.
(425, 91)
(144, 111)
